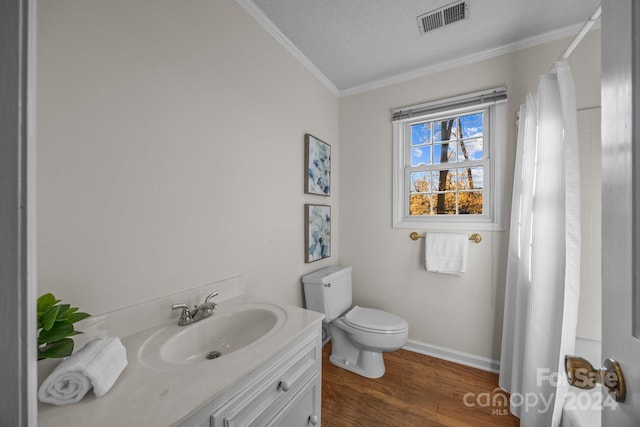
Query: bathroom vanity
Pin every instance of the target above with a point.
(266, 370)
(284, 391)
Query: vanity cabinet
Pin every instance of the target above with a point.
(304, 408)
(284, 391)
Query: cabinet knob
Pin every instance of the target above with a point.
(313, 419)
(284, 385)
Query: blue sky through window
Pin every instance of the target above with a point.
(426, 140)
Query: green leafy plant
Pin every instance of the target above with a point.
(55, 326)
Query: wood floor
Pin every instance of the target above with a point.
(416, 390)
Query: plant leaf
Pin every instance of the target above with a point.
(56, 349)
(49, 318)
(62, 330)
(59, 323)
(76, 317)
(67, 313)
(63, 309)
(46, 301)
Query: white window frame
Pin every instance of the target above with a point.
(493, 217)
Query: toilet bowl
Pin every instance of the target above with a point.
(359, 335)
(358, 348)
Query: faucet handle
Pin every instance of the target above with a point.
(210, 296)
(185, 316)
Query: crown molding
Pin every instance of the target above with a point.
(466, 60)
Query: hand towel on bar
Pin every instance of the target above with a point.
(98, 364)
(446, 253)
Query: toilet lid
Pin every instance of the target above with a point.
(375, 320)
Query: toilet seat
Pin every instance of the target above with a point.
(375, 321)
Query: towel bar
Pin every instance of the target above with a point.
(475, 237)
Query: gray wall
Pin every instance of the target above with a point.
(170, 152)
(457, 313)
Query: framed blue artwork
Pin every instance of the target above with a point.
(317, 232)
(317, 166)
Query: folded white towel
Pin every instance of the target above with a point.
(446, 253)
(98, 364)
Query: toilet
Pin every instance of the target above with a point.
(359, 335)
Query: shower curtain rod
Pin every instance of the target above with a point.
(584, 30)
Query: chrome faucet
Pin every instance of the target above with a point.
(198, 312)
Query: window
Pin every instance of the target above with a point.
(449, 160)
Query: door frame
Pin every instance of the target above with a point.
(18, 384)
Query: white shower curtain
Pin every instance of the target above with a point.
(543, 269)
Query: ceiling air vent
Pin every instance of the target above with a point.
(445, 15)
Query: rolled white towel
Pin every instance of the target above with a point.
(98, 364)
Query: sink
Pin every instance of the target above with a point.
(230, 329)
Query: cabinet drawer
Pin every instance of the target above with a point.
(303, 409)
(263, 399)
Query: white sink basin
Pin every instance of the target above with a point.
(230, 329)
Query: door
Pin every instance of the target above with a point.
(621, 202)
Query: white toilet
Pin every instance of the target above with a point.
(358, 335)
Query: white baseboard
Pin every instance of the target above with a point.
(454, 356)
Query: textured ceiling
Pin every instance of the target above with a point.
(358, 43)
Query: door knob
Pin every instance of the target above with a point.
(582, 374)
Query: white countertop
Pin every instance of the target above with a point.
(158, 396)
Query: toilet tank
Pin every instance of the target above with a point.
(328, 291)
